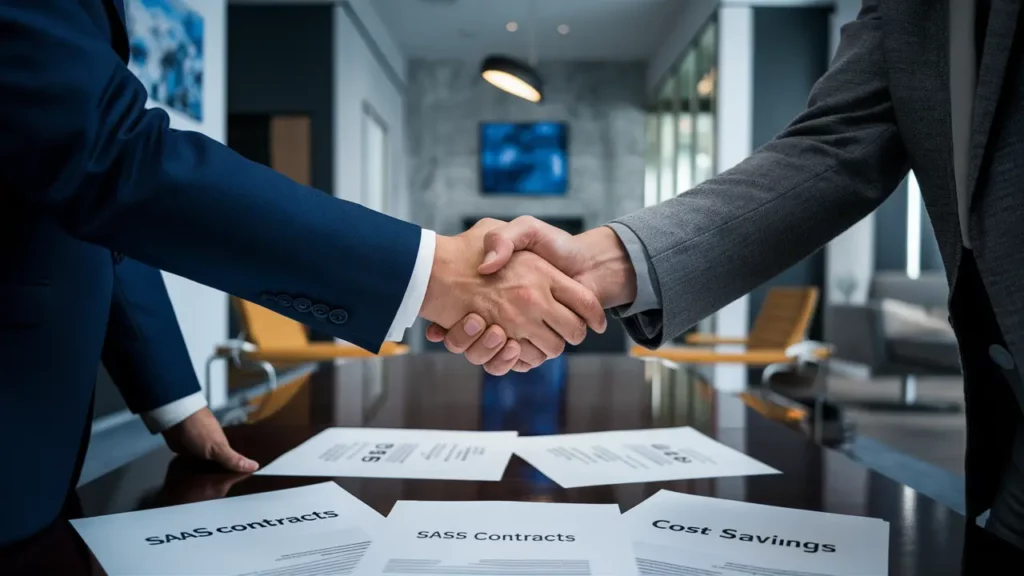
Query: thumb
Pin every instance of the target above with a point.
(226, 456)
(501, 241)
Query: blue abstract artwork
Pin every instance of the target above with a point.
(166, 40)
(524, 158)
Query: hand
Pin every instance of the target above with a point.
(490, 348)
(200, 436)
(530, 299)
(596, 259)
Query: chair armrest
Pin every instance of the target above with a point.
(699, 339)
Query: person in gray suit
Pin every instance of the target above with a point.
(933, 86)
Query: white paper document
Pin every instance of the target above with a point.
(319, 529)
(501, 539)
(626, 456)
(682, 535)
(398, 453)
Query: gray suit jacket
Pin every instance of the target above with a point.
(882, 108)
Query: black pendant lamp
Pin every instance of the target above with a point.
(513, 76)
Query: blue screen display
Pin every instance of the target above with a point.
(524, 158)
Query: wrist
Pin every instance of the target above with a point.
(610, 272)
(446, 275)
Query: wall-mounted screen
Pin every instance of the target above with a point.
(519, 158)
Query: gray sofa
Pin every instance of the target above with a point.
(902, 331)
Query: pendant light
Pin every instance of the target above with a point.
(514, 76)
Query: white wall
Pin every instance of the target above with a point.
(361, 80)
(367, 14)
(202, 311)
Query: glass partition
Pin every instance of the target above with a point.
(681, 125)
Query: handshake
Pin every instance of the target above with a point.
(511, 295)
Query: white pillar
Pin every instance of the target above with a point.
(735, 143)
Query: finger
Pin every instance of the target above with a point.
(581, 301)
(436, 333)
(522, 367)
(464, 333)
(504, 360)
(487, 346)
(569, 327)
(502, 241)
(530, 355)
(226, 456)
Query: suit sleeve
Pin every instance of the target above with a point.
(78, 143)
(834, 164)
(144, 351)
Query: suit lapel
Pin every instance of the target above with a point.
(999, 34)
(118, 27)
(119, 7)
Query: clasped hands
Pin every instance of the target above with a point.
(511, 295)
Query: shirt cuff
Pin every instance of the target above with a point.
(417, 288)
(648, 297)
(166, 416)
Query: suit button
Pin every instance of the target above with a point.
(284, 300)
(268, 297)
(1001, 356)
(339, 316)
(320, 311)
(302, 304)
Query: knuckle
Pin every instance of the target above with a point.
(578, 332)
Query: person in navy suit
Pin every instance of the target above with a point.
(98, 194)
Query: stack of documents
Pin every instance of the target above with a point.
(501, 539)
(626, 456)
(319, 529)
(399, 453)
(680, 534)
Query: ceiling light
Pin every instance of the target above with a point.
(706, 85)
(563, 29)
(513, 76)
(512, 26)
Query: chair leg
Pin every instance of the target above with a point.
(271, 373)
(207, 377)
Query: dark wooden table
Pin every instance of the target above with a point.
(572, 394)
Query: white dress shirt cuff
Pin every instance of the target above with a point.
(417, 288)
(162, 418)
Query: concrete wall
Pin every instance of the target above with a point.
(603, 103)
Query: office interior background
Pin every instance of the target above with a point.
(381, 102)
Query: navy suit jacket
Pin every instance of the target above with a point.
(87, 174)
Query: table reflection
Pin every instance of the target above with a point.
(571, 394)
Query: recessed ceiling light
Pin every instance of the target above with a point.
(563, 29)
(512, 26)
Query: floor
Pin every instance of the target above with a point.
(923, 450)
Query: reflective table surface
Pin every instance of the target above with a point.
(571, 394)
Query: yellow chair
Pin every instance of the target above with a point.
(783, 322)
(270, 338)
